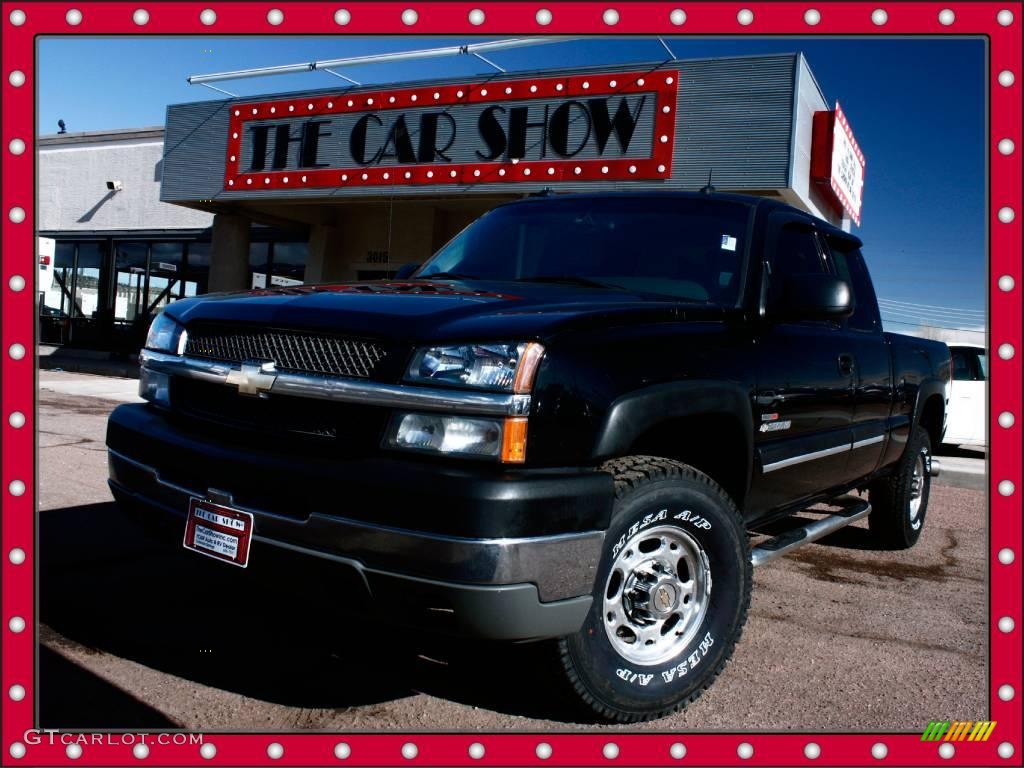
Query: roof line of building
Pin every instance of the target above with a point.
(92, 137)
(157, 131)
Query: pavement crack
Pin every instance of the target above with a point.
(72, 441)
(875, 638)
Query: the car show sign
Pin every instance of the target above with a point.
(837, 164)
(600, 126)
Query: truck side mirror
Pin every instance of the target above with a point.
(814, 296)
(405, 270)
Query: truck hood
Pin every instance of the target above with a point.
(428, 311)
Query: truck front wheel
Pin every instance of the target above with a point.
(670, 597)
(899, 502)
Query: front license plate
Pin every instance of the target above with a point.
(218, 531)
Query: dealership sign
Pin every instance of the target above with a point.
(541, 129)
(837, 164)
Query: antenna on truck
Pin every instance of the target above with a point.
(707, 189)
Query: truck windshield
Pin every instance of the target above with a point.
(689, 249)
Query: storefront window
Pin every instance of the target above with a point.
(289, 266)
(84, 305)
(130, 266)
(259, 264)
(165, 272)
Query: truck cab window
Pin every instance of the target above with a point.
(796, 252)
(968, 365)
(849, 264)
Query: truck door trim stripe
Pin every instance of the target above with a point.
(804, 457)
(868, 441)
(782, 464)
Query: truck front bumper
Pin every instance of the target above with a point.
(513, 587)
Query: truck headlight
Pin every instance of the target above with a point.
(506, 367)
(166, 335)
(459, 435)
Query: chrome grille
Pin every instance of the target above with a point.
(290, 350)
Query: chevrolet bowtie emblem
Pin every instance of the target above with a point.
(253, 378)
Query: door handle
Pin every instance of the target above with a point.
(846, 365)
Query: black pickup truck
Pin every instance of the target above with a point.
(570, 425)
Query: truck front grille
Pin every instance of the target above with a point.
(297, 351)
(348, 428)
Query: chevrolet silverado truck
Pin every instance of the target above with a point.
(573, 424)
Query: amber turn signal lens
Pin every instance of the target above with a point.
(529, 361)
(513, 444)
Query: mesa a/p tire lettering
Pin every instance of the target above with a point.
(670, 598)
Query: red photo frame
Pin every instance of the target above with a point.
(999, 22)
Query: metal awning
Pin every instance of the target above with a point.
(329, 65)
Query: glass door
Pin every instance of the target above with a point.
(166, 273)
(89, 295)
(130, 261)
(130, 281)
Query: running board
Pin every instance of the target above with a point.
(854, 509)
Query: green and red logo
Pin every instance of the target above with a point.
(958, 730)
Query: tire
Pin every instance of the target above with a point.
(899, 502)
(667, 518)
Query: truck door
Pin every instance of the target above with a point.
(872, 374)
(804, 399)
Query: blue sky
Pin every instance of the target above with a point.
(917, 107)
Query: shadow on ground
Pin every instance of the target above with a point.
(66, 686)
(963, 451)
(290, 638)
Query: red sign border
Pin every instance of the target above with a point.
(844, 200)
(18, 385)
(663, 83)
(822, 148)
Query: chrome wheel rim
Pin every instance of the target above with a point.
(656, 595)
(917, 482)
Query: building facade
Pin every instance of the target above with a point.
(120, 253)
(351, 184)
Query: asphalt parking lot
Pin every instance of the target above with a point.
(138, 635)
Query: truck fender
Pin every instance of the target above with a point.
(634, 413)
(926, 389)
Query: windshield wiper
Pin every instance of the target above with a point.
(570, 280)
(445, 276)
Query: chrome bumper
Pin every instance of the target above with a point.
(561, 566)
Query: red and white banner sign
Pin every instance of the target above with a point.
(837, 163)
(601, 126)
